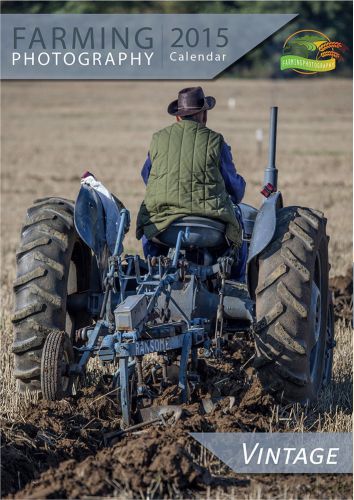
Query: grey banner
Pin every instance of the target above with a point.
(309, 452)
(129, 46)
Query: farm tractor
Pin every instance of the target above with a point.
(77, 298)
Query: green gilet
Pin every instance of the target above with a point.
(185, 179)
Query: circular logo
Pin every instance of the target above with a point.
(309, 51)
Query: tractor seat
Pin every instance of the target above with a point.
(204, 233)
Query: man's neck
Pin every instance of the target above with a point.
(191, 119)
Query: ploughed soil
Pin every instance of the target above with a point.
(58, 449)
(342, 287)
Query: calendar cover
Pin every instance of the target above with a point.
(176, 206)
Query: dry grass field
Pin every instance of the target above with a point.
(53, 131)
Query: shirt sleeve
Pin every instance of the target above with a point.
(145, 171)
(234, 182)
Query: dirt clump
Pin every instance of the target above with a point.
(58, 449)
(61, 447)
(51, 432)
(342, 288)
(157, 460)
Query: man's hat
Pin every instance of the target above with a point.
(190, 102)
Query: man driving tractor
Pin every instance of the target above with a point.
(189, 170)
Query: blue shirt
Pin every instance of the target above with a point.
(234, 183)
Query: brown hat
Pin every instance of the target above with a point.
(190, 102)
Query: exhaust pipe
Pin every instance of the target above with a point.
(271, 172)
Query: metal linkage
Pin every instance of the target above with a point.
(186, 349)
(106, 310)
(225, 270)
(101, 329)
(157, 345)
(183, 236)
(121, 336)
(124, 278)
(124, 389)
(136, 349)
(121, 230)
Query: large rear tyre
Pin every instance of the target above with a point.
(292, 334)
(52, 263)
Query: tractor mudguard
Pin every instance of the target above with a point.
(89, 219)
(265, 224)
(263, 232)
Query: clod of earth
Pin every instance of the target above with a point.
(342, 287)
(57, 450)
(61, 447)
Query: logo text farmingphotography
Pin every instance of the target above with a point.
(309, 52)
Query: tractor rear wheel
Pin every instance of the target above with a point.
(52, 263)
(293, 334)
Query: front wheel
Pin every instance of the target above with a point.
(293, 348)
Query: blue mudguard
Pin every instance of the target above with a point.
(265, 225)
(89, 219)
(263, 233)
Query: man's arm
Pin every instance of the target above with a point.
(234, 183)
(145, 172)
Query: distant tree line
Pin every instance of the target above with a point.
(334, 18)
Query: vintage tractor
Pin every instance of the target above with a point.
(77, 297)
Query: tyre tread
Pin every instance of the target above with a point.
(281, 346)
(47, 241)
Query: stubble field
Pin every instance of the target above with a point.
(51, 133)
